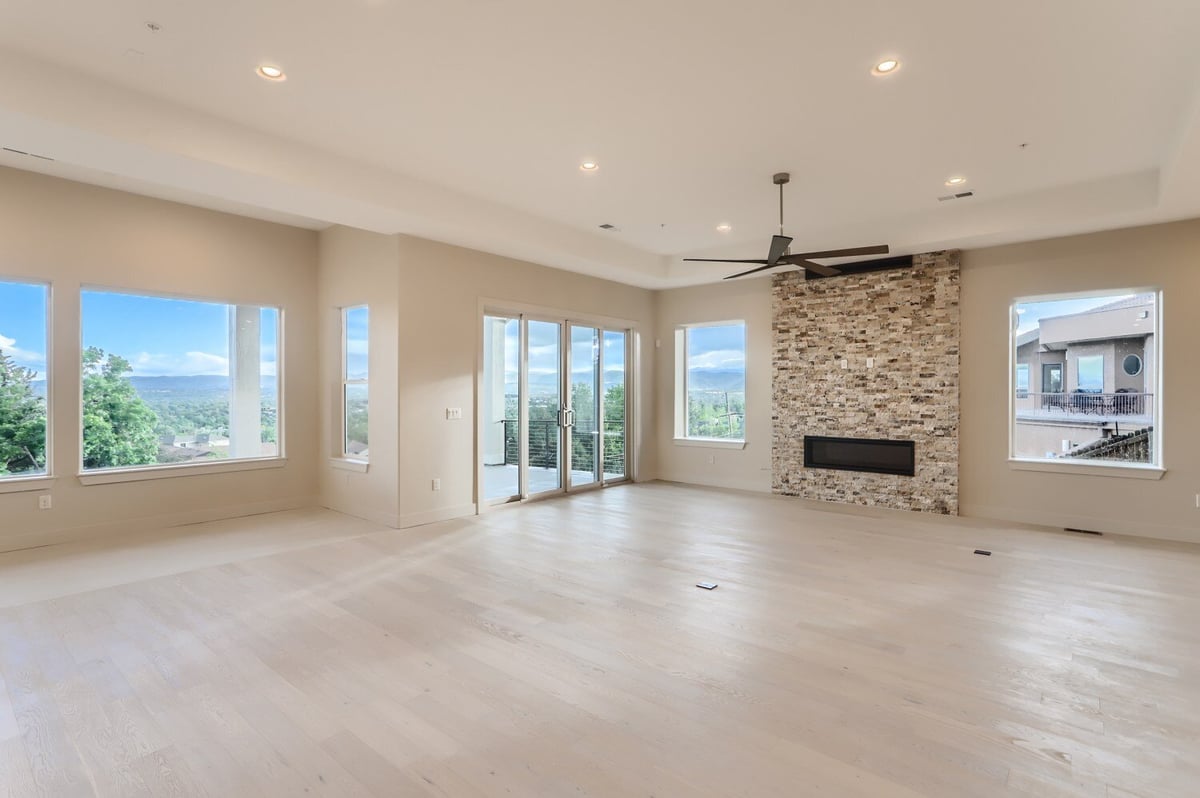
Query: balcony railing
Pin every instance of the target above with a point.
(1122, 403)
(543, 444)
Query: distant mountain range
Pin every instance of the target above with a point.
(184, 389)
(717, 380)
(701, 380)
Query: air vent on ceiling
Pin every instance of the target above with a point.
(961, 195)
(608, 227)
(28, 154)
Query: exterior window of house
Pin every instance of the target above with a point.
(24, 426)
(1091, 374)
(177, 382)
(1087, 378)
(710, 385)
(354, 383)
(1022, 378)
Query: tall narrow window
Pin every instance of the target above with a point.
(1087, 377)
(177, 381)
(711, 382)
(354, 383)
(23, 379)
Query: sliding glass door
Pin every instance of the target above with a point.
(544, 406)
(585, 402)
(553, 407)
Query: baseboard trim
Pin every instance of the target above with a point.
(144, 523)
(732, 484)
(389, 520)
(434, 516)
(1139, 529)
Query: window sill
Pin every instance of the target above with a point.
(23, 484)
(110, 476)
(710, 443)
(347, 464)
(1120, 470)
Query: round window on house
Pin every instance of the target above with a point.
(1132, 365)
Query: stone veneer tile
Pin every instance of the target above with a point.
(908, 321)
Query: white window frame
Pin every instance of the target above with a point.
(681, 388)
(352, 461)
(19, 483)
(107, 476)
(1152, 471)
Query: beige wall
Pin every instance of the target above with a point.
(1162, 256)
(438, 290)
(359, 268)
(745, 300)
(1165, 256)
(72, 235)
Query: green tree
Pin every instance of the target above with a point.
(118, 427)
(22, 420)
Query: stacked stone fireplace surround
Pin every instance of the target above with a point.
(907, 320)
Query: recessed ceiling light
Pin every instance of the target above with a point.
(724, 228)
(957, 180)
(885, 67)
(589, 166)
(271, 72)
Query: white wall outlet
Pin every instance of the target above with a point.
(712, 459)
(845, 364)
(45, 502)
(453, 413)
(870, 362)
(437, 484)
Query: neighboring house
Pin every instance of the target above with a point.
(1086, 376)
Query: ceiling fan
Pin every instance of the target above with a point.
(780, 253)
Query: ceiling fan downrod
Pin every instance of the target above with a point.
(781, 179)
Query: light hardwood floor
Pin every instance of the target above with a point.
(561, 649)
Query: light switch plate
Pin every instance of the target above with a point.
(453, 413)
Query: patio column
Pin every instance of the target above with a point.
(245, 382)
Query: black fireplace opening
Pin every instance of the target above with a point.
(861, 454)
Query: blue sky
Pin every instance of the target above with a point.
(544, 354)
(23, 324)
(356, 342)
(720, 348)
(159, 337)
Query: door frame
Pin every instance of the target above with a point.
(524, 312)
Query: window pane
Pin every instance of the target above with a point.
(614, 405)
(356, 420)
(1091, 373)
(1022, 376)
(22, 379)
(716, 381)
(356, 343)
(169, 381)
(1081, 402)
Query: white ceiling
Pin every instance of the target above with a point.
(465, 120)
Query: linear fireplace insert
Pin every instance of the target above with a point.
(861, 454)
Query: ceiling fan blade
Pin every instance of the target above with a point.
(881, 249)
(779, 245)
(724, 260)
(752, 271)
(824, 271)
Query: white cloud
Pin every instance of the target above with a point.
(718, 359)
(190, 364)
(23, 357)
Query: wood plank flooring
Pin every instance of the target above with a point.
(561, 649)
